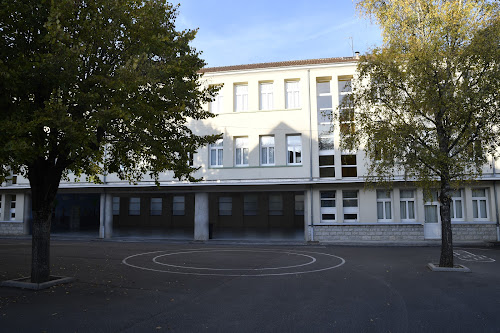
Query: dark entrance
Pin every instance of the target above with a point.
(76, 213)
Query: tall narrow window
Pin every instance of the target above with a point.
(346, 112)
(275, 204)
(325, 129)
(116, 205)
(292, 94)
(216, 153)
(241, 151)
(299, 204)
(155, 208)
(225, 206)
(326, 165)
(349, 166)
(178, 205)
(456, 206)
(350, 205)
(134, 206)
(266, 95)
(250, 202)
(240, 97)
(267, 150)
(13, 207)
(294, 143)
(217, 104)
(479, 204)
(431, 209)
(384, 205)
(328, 207)
(407, 205)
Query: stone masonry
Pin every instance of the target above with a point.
(333, 233)
(11, 228)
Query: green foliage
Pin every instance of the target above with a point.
(427, 101)
(98, 86)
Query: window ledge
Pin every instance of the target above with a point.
(11, 221)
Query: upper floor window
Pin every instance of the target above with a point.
(292, 94)
(241, 151)
(240, 97)
(479, 204)
(294, 148)
(216, 153)
(267, 150)
(217, 104)
(349, 166)
(407, 205)
(384, 205)
(346, 112)
(266, 95)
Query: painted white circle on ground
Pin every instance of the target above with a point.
(155, 260)
(319, 262)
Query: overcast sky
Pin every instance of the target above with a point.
(233, 32)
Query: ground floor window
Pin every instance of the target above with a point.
(178, 205)
(456, 206)
(116, 205)
(134, 206)
(225, 206)
(328, 207)
(479, 204)
(431, 214)
(250, 204)
(350, 205)
(384, 205)
(299, 204)
(155, 206)
(275, 204)
(407, 205)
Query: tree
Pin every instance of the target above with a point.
(427, 101)
(92, 87)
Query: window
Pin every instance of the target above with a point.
(327, 166)
(350, 205)
(225, 206)
(479, 204)
(266, 95)
(240, 97)
(346, 112)
(294, 143)
(178, 205)
(216, 153)
(275, 204)
(134, 206)
(407, 205)
(267, 150)
(13, 207)
(384, 205)
(292, 94)
(1, 196)
(431, 209)
(190, 159)
(241, 151)
(328, 208)
(116, 205)
(456, 206)
(250, 204)
(155, 208)
(217, 105)
(349, 167)
(299, 204)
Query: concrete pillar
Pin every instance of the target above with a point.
(108, 216)
(26, 214)
(201, 217)
(101, 215)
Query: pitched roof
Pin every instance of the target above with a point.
(278, 64)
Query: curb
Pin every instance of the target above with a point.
(24, 283)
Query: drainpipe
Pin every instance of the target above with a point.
(311, 227)
(496, 198)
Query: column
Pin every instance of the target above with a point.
(101, 215)
(27, 214)
(108, 216)
(201, 217)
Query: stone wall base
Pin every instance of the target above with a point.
(11, 228)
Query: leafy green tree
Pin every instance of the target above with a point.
(427, 101)
(92, 87)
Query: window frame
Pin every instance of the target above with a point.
(385, 210)
(478, 200)
(225, 206)
(269, 94)
(292, 94)
(177, 204)
(134, 211)
(241, 150)
(115, 206)
(278, 210)
(153, 209)
(328, 209)
(350, 210)
(345, 167)
(217, 104)
(240, 97)
(250, 207)
(453, 206)
(406, 202)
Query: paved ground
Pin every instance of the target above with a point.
(185, 287)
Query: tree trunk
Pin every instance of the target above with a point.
(44, 182)
(446, 259)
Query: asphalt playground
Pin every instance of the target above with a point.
(153, 286)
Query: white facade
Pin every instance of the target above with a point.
(278, 167)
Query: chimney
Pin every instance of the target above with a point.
(356, 55)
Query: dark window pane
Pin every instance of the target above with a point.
(326, 160)
(348, 159)
(328, 216)
(327, 172)
(349, 172)
(350, 216)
